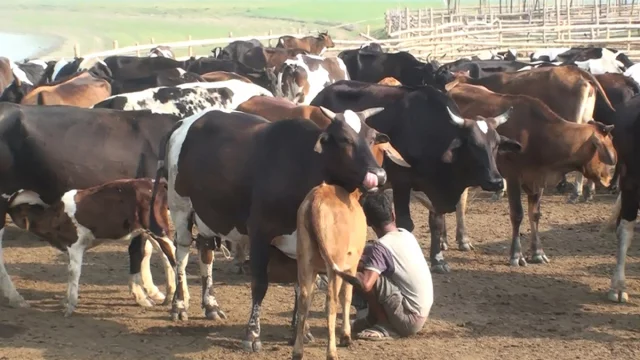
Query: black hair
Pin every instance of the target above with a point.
(378, 209)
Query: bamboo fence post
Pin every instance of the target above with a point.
(76, 50)
(190, 51)
(407, 18)
(568, 20)
(115, 44)
(270, 34)
(152, 40)
(629, 36)
(137, 50)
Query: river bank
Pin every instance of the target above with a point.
(18, 47)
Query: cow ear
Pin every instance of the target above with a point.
(448, 156)
(322, 139)
(508, 145)
(330, 114)
(392, 154)
(607, 156)
(381, 138)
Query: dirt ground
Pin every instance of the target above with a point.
(483, 309)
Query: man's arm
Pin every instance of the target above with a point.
(368, 279)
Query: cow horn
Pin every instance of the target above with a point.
(456, 119)
(395, 156)
(502, 118)
(330, 114)
(370, 112)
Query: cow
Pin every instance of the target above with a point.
(350, 56)
(168, 77)
(10, 72)
(596, 60)
(274, 109)
(300, 80)
(483, 68)
(334, 250)
(372, 67)
(569, 91)
(446, 152)
(551, 147)
(124, 67)
(186, 99)
(61, 69)
(273, 58)
(548, 55)
(162, 51)
(235, 49)
(268, 170)
(49, 150)
(265, 77)
(223, 76)
(315, 45)
(84, 218)
(81, 89)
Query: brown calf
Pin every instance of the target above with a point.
(332, 232)
(315, 45)
(551, 147)
(390, 81)
(223, 76)
(81, 90)
(83, 219)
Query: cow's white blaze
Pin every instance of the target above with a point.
(181, 71)
(483, 126)
(27, 197)
(19, 73)
(353, 120)
(38, 62)
(56, 69)
(288, 244)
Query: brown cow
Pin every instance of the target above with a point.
(301, 79)
(223, 76)
(82, 90)
(568, 91)
(315, 45)
(83, 219)
(390, 81)
(332, 232)
(551, 147)
(6, 74)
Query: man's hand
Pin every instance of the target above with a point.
(368, 279)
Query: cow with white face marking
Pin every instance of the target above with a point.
(28, 73)
(162, 51)
(300, 80)
(268, 170)
(186, 99)
(83, 219)
(48, 150)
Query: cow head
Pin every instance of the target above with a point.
(604, 157)
(477, 147)
(346, 146)
(216, 52)
(16, 91)
(324, 37)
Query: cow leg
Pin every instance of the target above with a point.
(436, 223)
(345, 299)
(180, 303)
(563, 185)
(444, 239)
(614, 186)
(628, 215)
(401, 200)
(205, 259)
(76, 252)
(136, 287)
(7, 289)
(335, 283)
(590, 190)
(577, 191)
(259, 261)
(516, 214)
(241, 254)
(147, 279)
(461, 231)
(168, 251)
(295, 318)
(537, 254)
(306, 280)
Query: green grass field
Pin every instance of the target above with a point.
(94, 24)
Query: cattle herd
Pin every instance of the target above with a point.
(232, 144)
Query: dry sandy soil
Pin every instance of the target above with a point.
(483, 309)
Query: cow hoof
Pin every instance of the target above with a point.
(345, 340)
(444, 246)
(18, 302)
(619, 296)
(587, 199)
(297, 357)
(179, 315)
(440, 267)
(158, 297)
(518, 261)
(145, 302)
(497, 196)
(214, 313)
(573, 199)
(252, 346)
(69, 310)
(539, 259)
(308, 338)
(465, 246)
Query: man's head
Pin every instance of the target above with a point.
(378, 210)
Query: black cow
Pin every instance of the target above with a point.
(168, 77)
(371, 67)
(49, 150)
(235, 49)
(124, 68)
(268, 170)
(447, 154)
(265, 78)
(482, 68)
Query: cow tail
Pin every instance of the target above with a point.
(40, 100)
(161, 173)
(599, 88)
(315, 229)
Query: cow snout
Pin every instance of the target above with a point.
(493, 185)
(374, 179)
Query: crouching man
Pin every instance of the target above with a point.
(397, 285)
